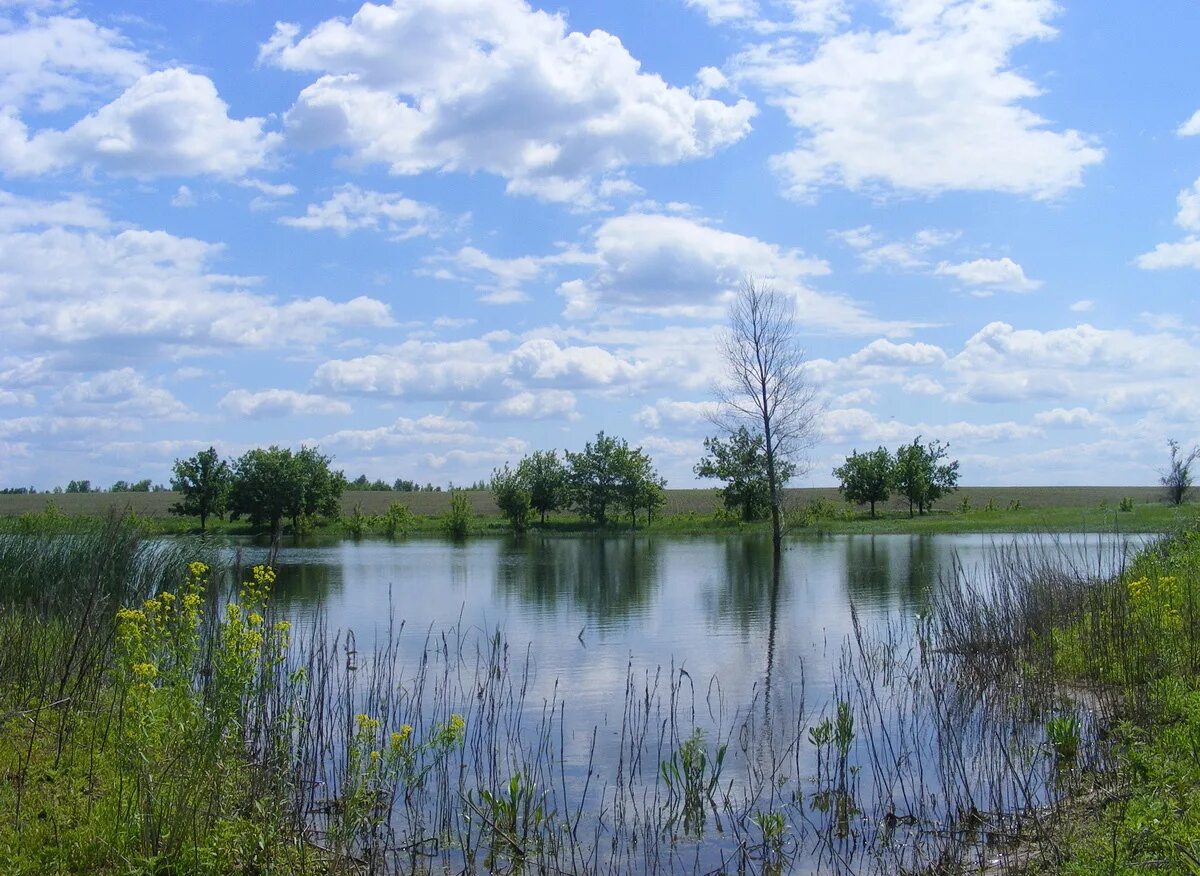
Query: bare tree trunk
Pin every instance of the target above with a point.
(768, 388)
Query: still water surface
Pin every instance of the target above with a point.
(591, 608)
(604, 626)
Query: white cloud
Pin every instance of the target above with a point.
(1188, 216)
(675, 266)
(137, 292)
(856, 427)
(404, 433)
(502, 280)
(280, 403)
(923, 385)
(75, 211)
(183, 197)
(1000, 363)
(467, 369)
(1069, 418)
(541, 405)
(1181, 254)
(874, 252)
(1083, 305)
(120, 393)
(48, 63)
(811, 16)
(931, 105)
(1001, 273)
(686, 414)
(167, 123)
(492, 85)
(1191, 127)
(351, 208)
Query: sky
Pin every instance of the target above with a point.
(433, 236)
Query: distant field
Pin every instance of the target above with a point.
(678, 501)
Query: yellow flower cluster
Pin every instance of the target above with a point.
(400, 737)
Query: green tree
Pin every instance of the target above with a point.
(266, 489)
(203, 482)
(639, 486)
(273, 485)
(512, 495)
(741, 461)
(546, 477)
(79, 487)
(921, 476)
(320, 488)
(866, 477)
(594, 477)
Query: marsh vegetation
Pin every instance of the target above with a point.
(937, 716)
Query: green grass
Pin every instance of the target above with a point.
(991, 509)
(1138, 635)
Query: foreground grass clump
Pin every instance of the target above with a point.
(1140, 637)
(152, 751)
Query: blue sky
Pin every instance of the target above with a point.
(436, 235)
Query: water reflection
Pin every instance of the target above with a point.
(608, 580)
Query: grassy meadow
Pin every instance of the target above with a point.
(970, 509)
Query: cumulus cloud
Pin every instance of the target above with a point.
(137, 292)
(51, 62)
(121, 392)
(351, 208)
(1001, 273)
(668, 265)
(675, 414)
(1001, 363)
(1183, 253)
(929, 105)
(856, 426)
(1191, 127)
(167, 123)
(495, 86)
(280, 403)
(541, 405)
(73, 211)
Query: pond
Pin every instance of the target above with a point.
(627, 643)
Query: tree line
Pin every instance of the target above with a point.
(919, 472)
(266, 486)
(605, 480)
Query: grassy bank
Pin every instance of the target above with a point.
(972, 509)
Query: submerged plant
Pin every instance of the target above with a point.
(1062, 732)
(692, 779)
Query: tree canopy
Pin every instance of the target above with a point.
(921, 476)
(741, 461)
(273, 485)
(204, 482)
(867, 478)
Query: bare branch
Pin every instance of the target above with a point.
(768, 389)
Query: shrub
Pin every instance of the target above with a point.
(456, 522)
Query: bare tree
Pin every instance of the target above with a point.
(1177, 476)
(767, 388)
